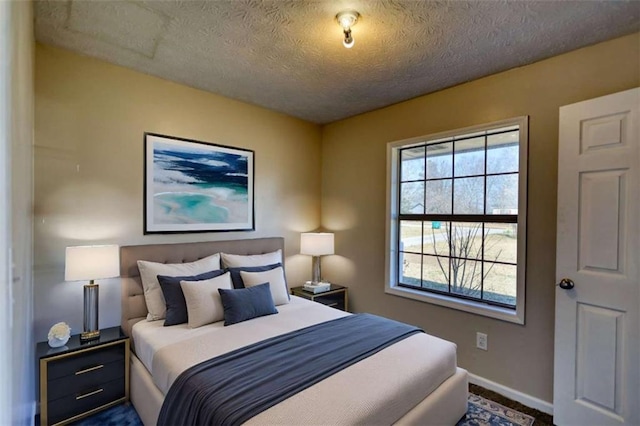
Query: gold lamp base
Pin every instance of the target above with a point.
(89, 335)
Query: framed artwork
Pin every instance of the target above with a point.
(193, 186)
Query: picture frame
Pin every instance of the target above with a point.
(195, 186)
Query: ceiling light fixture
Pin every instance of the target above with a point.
(347, 19)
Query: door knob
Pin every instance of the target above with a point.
(566, 284)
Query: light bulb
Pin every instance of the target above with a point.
(348, 40)
(346, 20)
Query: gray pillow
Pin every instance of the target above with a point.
(236, 278)
(246, 303)
(149, 272)
(174, 297)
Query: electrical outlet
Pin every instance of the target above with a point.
(482, 341)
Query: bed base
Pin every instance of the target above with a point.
(444, 406)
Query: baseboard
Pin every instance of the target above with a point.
(522, 398)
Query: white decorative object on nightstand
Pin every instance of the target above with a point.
(316, 287)
(59, 334)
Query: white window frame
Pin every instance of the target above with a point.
(516, 315)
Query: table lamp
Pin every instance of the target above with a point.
(91, 263)
(316, 244)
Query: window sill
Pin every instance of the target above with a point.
(459, 304)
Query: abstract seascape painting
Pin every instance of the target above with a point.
(193, 186)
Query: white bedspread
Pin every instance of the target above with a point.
(377, 390)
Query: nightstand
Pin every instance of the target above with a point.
(80, 379)
(337, 296)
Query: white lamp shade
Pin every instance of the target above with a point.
(91, 262)
(316, 243)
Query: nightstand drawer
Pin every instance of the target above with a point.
(89, 378)
(73, 405)
(76, 363)
(332, 300)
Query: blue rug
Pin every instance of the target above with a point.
(120, 415)
(481, 412)
(484, 412)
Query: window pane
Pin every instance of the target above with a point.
(469, 157)
(460, 181)
(412, 164)
(468, 196)
(502, 152)
(410, 236)
(466, 240)
(439, 160)
(466, 277)
(501, 242)
(438, 196)
(502, 194)
(500, 283)
(436, 238)
(409, 269)
(435, 273)
(412, 198)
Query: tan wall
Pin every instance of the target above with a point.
(90, 120)
(354, 191)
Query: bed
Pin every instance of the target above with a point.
(393, 386)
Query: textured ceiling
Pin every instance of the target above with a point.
(288, 55)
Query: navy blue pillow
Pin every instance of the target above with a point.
(174, 297)
(246, 303)
(236, 279)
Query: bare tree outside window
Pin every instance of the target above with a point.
(463, 246)
(458, 204)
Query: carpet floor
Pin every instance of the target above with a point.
(490, 409)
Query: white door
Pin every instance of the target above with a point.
(597, 323)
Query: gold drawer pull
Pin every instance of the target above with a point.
(89, 394)
(86, 370)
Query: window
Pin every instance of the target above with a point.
(457, 219)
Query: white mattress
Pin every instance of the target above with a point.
(378, 389)
(151, 336)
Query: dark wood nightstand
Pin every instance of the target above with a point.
(337, 296)
(80, 379)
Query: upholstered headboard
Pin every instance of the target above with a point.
(134, 308)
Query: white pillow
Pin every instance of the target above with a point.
(149, 272)
(276, 280)
(204, 305)
(239, 260)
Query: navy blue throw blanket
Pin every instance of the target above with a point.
(234, 387)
